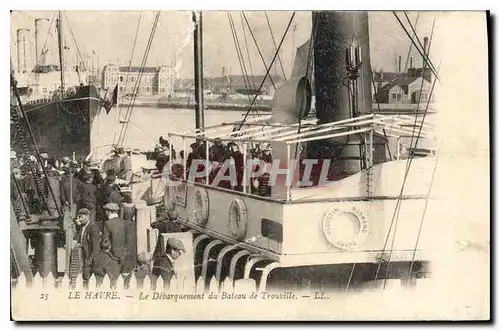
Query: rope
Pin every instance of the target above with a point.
(410, 47)
(274, 43)
(398, 204)
(258, 49)
(411, 158)
(123, 132)
(248, 51)
(422, 219)
(267, 71)
(394, 220)
(129, 67)
(239, 54)
(79, 54)
(418, 49)
(378, 106)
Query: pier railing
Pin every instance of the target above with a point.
(131, 283)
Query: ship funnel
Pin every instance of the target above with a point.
(42, 26)
(292, 101)
(22, 54)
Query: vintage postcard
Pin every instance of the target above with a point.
(249, 165)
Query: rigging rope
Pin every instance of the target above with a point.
(246, 81)
(274, 43)
(411, 45)
(411, 159)
(394, 220)
(79, 54)
(418, 49)
(128, 115)
(378, 107)
(267, 71)
(398, 204)
(128, 73)
(248, 51)
(258, 49)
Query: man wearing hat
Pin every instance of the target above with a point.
(87, 235)
(85, 170)
(164, 264)
(87, 195)
(65, 161)
(109, 191)
(114, 230)
(127, 213)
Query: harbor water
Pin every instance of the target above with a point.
(147, 124)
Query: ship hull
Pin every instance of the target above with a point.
(62, 127)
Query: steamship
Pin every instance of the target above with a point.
(322, 236)
(60, 104)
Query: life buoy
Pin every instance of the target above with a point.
(201, 206)
(238, 219)
(339, 222)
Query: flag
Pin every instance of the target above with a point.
(108, 104)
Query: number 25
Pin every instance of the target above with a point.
(44, 296)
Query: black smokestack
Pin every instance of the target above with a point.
(333, 36)
(399, 64)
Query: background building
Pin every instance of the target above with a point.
(402, 87)
(155, 81)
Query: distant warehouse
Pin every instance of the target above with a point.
(154, 81)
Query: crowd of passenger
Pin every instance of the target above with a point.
(218, 153)
(103, 213)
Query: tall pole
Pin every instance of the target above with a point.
(198, 70)
(61, 51)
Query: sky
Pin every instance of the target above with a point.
(110, 34)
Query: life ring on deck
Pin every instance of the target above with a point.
(238, 219)
(201, 206)
(346, 226)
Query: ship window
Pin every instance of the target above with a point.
(132, 79)
(399, 96)
(121, 78)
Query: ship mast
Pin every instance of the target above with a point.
(61, 51)
(198, 70)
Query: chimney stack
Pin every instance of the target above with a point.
(426, 43)
(223, 71)
(22, 39)
(399, 64)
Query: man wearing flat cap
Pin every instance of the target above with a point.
(114, 230)
(87, 235)
(164, 264)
